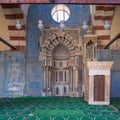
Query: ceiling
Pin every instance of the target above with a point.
(32, 13)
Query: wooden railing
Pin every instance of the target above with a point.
(113, 40)
(6, 43)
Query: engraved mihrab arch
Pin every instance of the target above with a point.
(59, 38)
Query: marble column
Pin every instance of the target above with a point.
(44, 80)
(76, 78)
(57, 76)
(71, 79)
(49, 76)
(81, 81)
(61, 90)
(49, 81)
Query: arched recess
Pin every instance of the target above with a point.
(60, 70)
(60, 52)
(57, 38)
(60, 65)
(90, 50)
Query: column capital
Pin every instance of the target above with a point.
(75, 67)
(49, 68)
(44, 68)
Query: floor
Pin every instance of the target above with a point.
(56, 108)
(116, 102)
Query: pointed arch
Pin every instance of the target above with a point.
(57, 38)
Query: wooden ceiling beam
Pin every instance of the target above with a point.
(63, 1)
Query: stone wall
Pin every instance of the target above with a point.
(18, 77)
(34, 78)
(112, 55)
(33, 65)
(12, 75)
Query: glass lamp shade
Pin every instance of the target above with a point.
(62, 25)
(84, 26)
(18, 25)
(106, 25)
(40, 25)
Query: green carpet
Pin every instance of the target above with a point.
(55, 108)
(58, 113)
(116, 102)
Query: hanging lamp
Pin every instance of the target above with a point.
(40, 25)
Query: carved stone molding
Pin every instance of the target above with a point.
(44, 68)
(92, 38)
(54, 37)
(99, 65)
(69, 33)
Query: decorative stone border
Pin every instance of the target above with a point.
(63, 1)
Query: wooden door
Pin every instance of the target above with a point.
(99, 88)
